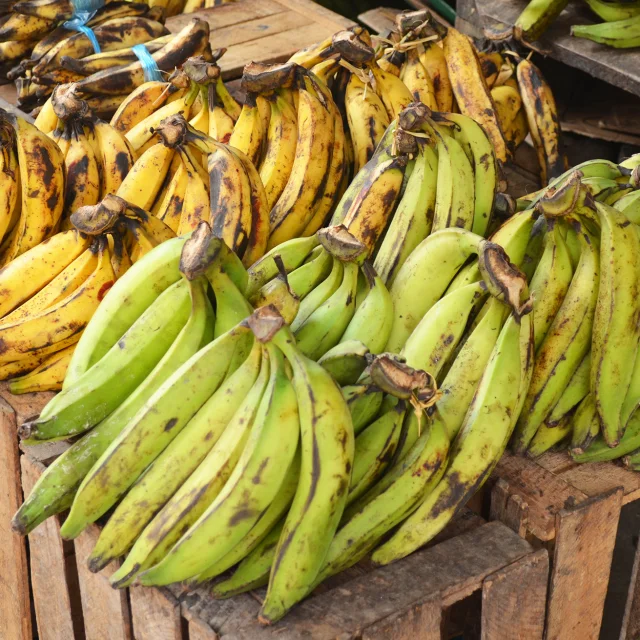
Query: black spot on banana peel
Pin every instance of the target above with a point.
(342, 244)
(503, 279)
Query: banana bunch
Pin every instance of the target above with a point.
(32, 187)
(52, 290)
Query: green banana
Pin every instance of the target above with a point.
(613, 11)
(621, 34)
(346, 361)
(629, 205)
(117, 374)
(632, 397)
(600, 451)
(174, 465)
(573, 393)
(252, 486)
(364, 402)
(57, 486)
(585, 424)
(304, 279)
(547, 437)
(206, 481)
(536, 18)
(154, 427)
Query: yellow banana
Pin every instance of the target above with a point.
(418, 80)
(46, 377)
(433, 60)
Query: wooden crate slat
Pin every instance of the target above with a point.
(198, 630)
(106, 610)
(544, 492)
(584, 545)
(260, 29)
(452, 569)
(27, 405)
(51, 597)
(321, 14)
(556, 461)
(155, 614)
(15, 612)
(422, 621)
(599, 477)
(514, 600)
(379, 19)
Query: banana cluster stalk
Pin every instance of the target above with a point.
(52, 290)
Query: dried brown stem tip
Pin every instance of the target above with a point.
(96, 219)
(503, 279)
(261, 78)
(66, 103)
(265, 322)
(561, 201)
(391, 375)
(342, 244)
(352, 47)
(412, 117)
(201, 71)
(173, 130)
(199, 252)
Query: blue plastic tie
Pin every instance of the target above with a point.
(83, 11)
(149, 65)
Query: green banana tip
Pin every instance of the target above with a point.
(120, 582)
(18, 525)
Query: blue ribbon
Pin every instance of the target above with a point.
(149, 65)
(83, 11)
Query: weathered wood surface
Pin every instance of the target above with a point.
(631, 620)
(585, 539)
(155, 614)
(15, 613)
(619, 67)
(263, 30)
(514, 600)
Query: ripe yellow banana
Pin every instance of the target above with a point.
(418, 80)
(141, 103)
(434, 61)
(249, 134)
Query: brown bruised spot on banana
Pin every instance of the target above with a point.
(200, 251)
(503, 279)
(390, 374)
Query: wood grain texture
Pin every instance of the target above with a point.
(631, 620)
(544, 493)
(584, 545)
(380, 20)
(198, 630)
(514, 600)
(27, 405)
(106, 610)
(420, 622)
(51, 596)
(15, 613)
(596, 478)
(616, 66)
(155, 614)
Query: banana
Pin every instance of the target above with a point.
(508, 104)
(117, 157)
(434, 61)
(221, 124)
(367, 119)
(564, 346)
(613, 11)
(392, 91)
(304, 279)
(35, 269)
(293, 210)
(141, 103)
(629, 205)
(372, 321)
(600, 451)
(550, 283)
(418, 81)
(323, 328)
(621, 34)
(231, 106)
(542, 117)
(502, 386)
(18, 26)
(144, 181)
(171, 208)
(195, 204)
(470, 89)
(127, 300)
(585, 424)
(462, 379)
(439, 331)
(259, 473)
(164, 417)
(382, 512)
(95, 395)
(573, 393)
(548, 437)
(42, 178)
(374, 450)
(207, 481)
(425, 276)
(174, 466)
(454, 205)
(364, 402)
(46, 377)
(248, 133)
(536, 18)
(280, 149)
(62, 321)
(412, 219)
(346, 361)
(615, 334)
(327, 446)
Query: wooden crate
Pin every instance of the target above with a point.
(254, 31)
(482, 569)
(572, 510)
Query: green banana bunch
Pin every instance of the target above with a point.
(614, 11)
(537, 17)
(621, 34)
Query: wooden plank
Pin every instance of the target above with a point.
(420, 622)
(198, 630)
(380, 20)
(556, 461)
(514, 599)
(155, 614)
(51, 597)
(544, 492)
(615, 66)
(599, 477)
(451, 570)
(15, 612)
(321, 15)
(106, 610)
(26, 405)
(584, 545)
(631, 621)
